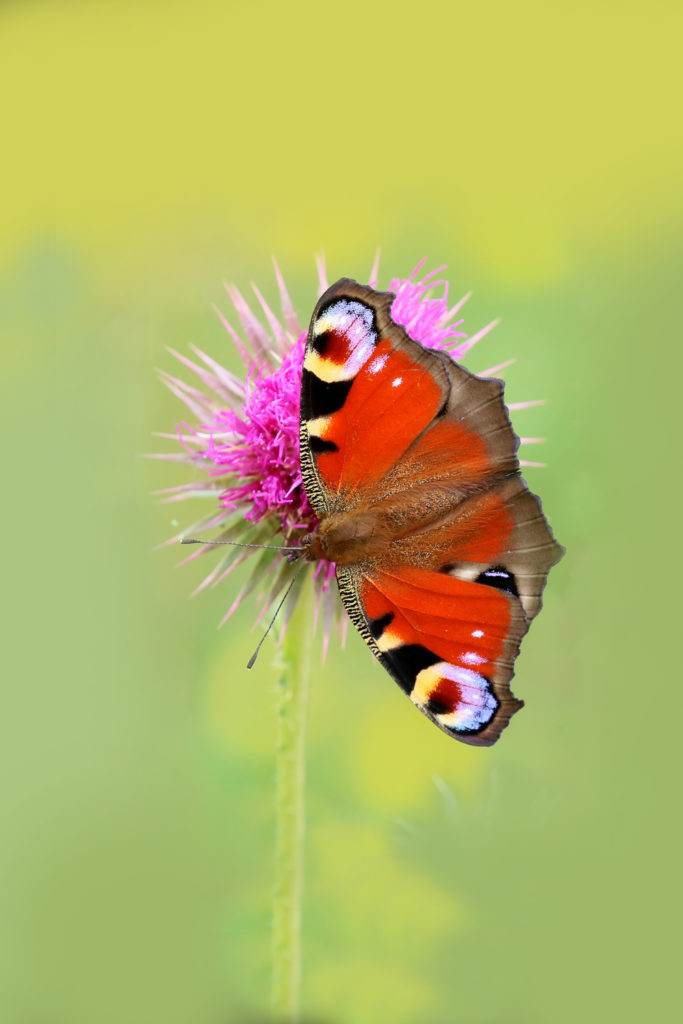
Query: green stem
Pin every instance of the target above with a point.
(289, 810)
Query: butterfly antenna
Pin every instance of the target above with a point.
(250, 663)
(236, 544)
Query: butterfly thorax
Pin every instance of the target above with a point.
(346, 538)
(383, 530)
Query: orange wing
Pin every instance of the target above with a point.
(450, 644)
(446, 610)
(498, 536)
(369, 393)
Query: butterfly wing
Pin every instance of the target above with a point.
(497, 536)
(446, 607)
(450, 644)
(447, 617)
(369, 392)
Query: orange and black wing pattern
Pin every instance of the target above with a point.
(364, 399)
(406, 433)
(450, 644)
(446, 614)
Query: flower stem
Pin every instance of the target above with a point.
(289, 810)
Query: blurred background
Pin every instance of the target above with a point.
(154, 149)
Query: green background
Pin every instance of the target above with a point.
(151, 150)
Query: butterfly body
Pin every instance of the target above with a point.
(410, 464)
(381, 533)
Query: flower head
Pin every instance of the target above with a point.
(244, 438)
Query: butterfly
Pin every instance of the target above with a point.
(410, 464)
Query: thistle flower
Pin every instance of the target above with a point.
(244, 438)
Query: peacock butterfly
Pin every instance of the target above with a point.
(410, 463)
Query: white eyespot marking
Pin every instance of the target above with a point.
(478, 632)
(476, 704)
(396, 381)
(377, 364)
(470, 658)
(352, 322)
(341, 315)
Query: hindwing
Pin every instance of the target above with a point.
(450, 644)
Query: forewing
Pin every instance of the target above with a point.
(449, 643)
(369, 393)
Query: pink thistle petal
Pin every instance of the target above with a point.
(493, 370)
(290, 316)
(206, 582)
(374, 271)
(229, 381)
(233, 607)
(194, 438)
(196, 402)
(432, 273)
(242, 555)
(172, 494)
(458, 306)
(322, 274)
(278, 332)
(417, 269)
(257, 336)
(424, 317)
(191, 435)
(464, 347)
(236, 340)
(266, 455)
(215, 574)
(208, 379)
(250, 585)
(516, 406)
(174, 457)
